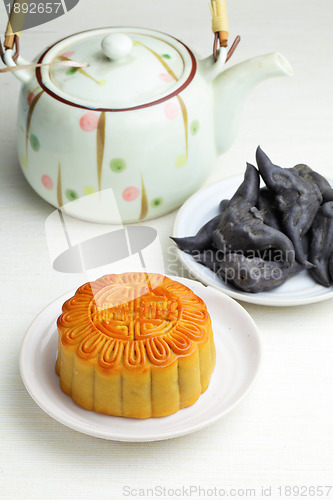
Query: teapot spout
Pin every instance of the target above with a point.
(231, 88)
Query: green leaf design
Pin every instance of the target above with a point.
(71, 71)
(156, 202)
(195, 126)
(34, 142)
(118, 165)
(71, 194)
(81, 71)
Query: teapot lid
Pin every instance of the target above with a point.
(128, 68)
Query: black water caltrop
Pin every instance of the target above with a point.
(250, 274)
(202, 240)
(267, 205)
(321, 244)
(310, 175)
(296, 197)
(253, 243)
(242, 225)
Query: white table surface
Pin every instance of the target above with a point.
(282, 433)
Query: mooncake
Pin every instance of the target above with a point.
(136, 345)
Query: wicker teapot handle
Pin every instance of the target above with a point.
(220, 27)
(220, 24)
(17, 18)
(11, 42)
(9, 52)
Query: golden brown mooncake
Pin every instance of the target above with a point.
(135, 345)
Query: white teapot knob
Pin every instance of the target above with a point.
(117, 46)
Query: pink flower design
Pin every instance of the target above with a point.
(171, 110)
(47, 182)
(68, 54)
(30, 98)
(89, 121)
(166, 77)
(131, 193)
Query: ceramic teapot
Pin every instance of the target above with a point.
(134, 133)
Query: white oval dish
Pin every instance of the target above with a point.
(203, 206)
(238, 349)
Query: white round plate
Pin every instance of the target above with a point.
(238, 357)
(203, 206)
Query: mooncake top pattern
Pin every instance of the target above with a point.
(133, 319)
